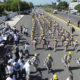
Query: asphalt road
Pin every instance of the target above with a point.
(58, 67)
(74, 18)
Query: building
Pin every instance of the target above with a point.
(73, 4)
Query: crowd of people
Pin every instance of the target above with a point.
(17, 63)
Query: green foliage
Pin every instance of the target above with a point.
(54, 5)
(62, 5)
(77, 7)
(31, 5)
(24, 5)
(8, 5)
(47, 7)
(74, 0)
(12, 5)
(2, 7)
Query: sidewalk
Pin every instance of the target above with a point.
(14, 20)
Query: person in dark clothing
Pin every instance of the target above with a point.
(73, 30)
(17, 51)
(2, 72)
(78, 23)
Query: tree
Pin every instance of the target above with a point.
(62, 5)
(31, 4)
(14, 5)
(2, 7)
(53, 5)
(24, 5)
(74, 0)
(77, 7)
(8, 5)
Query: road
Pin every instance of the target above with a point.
(74, 18)
(58, 67)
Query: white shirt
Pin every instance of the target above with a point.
(26, 30)
(8, 78)
(10, 69)
(27, 67)
(19, 61)
(11, 61)
(27, 47)
(67, 79)
(20, 54)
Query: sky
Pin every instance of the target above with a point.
(42, 2)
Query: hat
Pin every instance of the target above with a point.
(55, 38)
(35, 54)
(55, 76)
(62, 34)
(34, 38)
(49, 55)
(76, 40)
(70, 53)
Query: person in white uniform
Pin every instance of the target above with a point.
(27, 68)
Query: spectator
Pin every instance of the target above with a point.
(78, 23)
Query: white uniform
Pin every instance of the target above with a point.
(8, 78)
(11, 61)
(20, 54)
(10, 69)
(27, 67)
(69, 79)
(27, 47)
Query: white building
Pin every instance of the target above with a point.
(73, 4)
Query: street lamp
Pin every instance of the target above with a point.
(19, 6)
(68, 14)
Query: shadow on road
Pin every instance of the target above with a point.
(71, 50)
(36, 78)
(75, 35)
(57, 70)
(74, 68)
(59, 49)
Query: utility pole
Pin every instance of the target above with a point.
(78, 1)
(19, 6)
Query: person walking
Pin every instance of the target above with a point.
(48, 62)
(67, 59)
(35, 61)
(27, 68)
(26, 48)
(21, 29)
